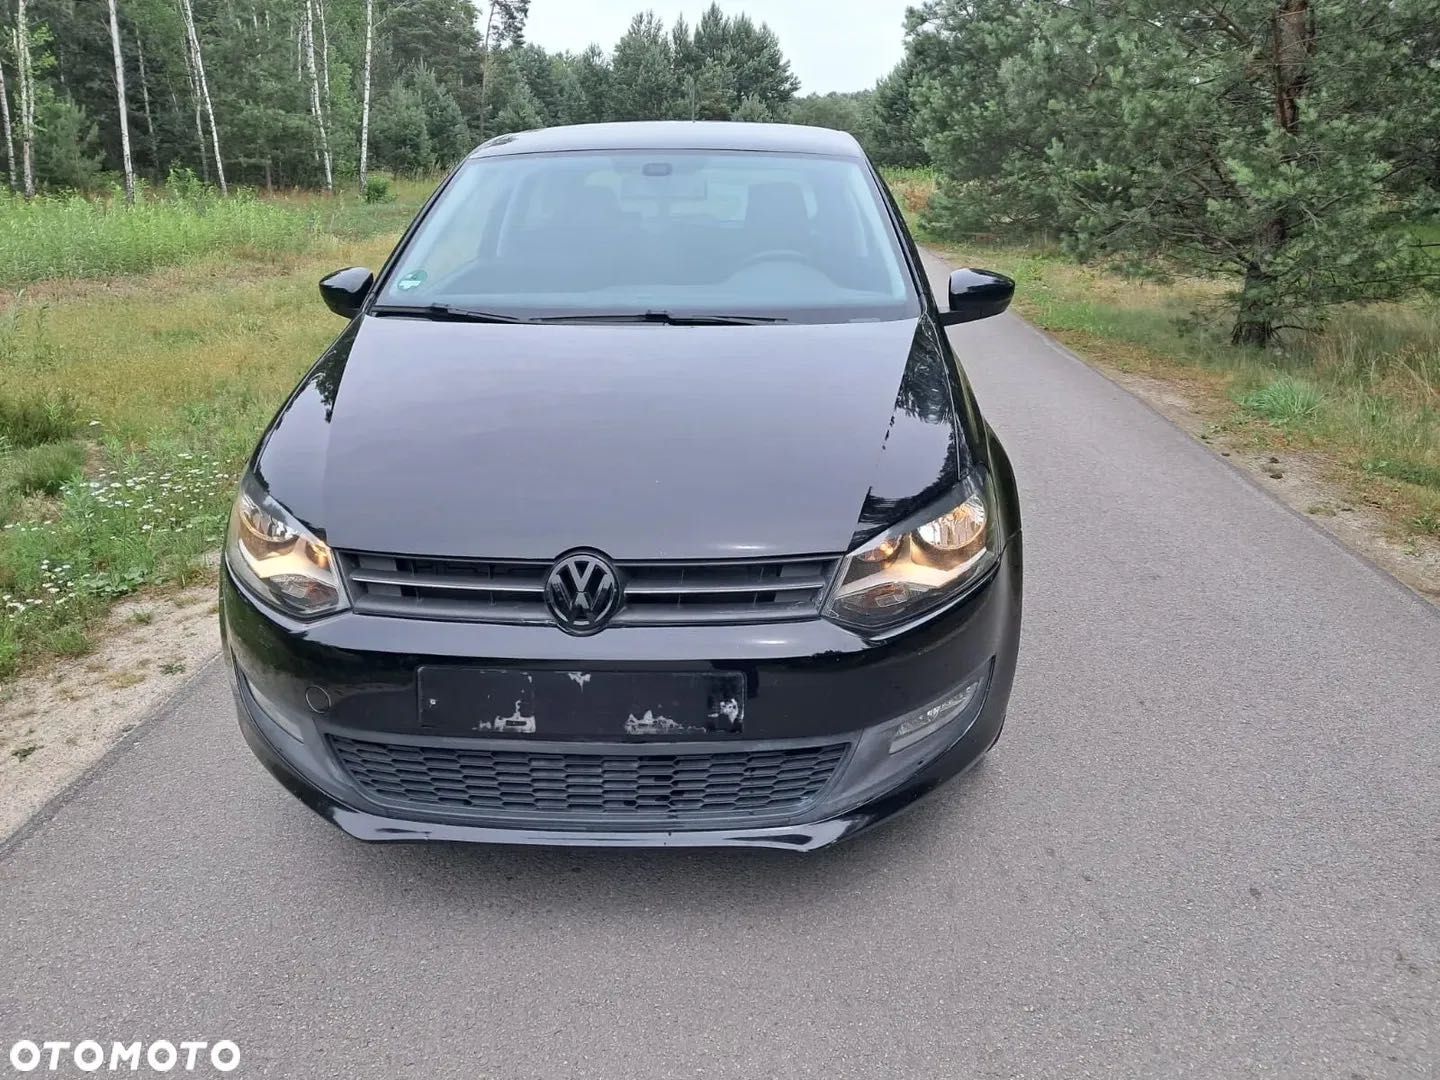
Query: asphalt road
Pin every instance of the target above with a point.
(1207, 846)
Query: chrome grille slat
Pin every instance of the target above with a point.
(679, 593)
(718, 588)
(436, 581)
(669, 616)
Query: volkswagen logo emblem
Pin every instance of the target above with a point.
(582, 592)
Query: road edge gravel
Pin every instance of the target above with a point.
(73, 784)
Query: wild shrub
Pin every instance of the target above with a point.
(44, 469)
(1287, 400)
(36, 419)
(377, 190)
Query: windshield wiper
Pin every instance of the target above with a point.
(665, 317)
(445, 311)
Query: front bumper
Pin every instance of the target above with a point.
(809, 683)
(803, 836)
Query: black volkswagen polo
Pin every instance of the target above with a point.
(641, 502)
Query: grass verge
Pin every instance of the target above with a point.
(74, 236)
(128, 405)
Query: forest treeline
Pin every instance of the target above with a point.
(302, 92)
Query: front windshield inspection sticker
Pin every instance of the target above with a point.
(412, 280)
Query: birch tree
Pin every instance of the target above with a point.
(315, 105)
(120, 100)
(145, 99)
(192, 40)
(9, 135)
(364, 102)
(26, 75)
(199, 110)
(324, 53)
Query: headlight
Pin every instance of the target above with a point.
(918, 564)
(279, 559)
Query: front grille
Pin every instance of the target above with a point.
(610, 787)
(655, 593)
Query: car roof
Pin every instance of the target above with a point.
(675, 135)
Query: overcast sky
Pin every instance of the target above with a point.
(831, 44)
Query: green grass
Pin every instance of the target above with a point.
(71, 641)
(127, 407)
(1419, 474)
(1287, 400)
(74, 236)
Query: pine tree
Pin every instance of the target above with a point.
(593, 73)
(402, 140)
(752, 109)
(1255, 140)
(889, 123)
(643, 83)
(448, 135)
(521, 112)
(504, 25)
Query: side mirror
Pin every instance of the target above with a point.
(977, 294)
(345, 290)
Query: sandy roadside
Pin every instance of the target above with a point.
(56, 723)
(1302, 481)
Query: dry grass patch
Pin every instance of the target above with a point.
(133, 358)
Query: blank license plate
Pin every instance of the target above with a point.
(580, 704)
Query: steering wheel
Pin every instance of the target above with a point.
(773, 255)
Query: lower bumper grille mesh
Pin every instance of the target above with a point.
(620, 786)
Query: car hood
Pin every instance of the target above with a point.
(646, 442)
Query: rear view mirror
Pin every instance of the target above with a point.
(345, 290)
(977, 294)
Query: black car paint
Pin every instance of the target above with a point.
(647, 442)
(976, 294)
(409, 433)
(345, 291)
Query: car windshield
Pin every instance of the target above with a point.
(679, 234)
